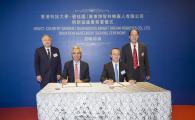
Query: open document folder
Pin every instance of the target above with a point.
(77, 85)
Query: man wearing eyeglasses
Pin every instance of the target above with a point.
(76, 70)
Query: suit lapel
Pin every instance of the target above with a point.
(81, 68)
(44, 52)
(112, 70)
(72, 70)
(52, 52)
(120, 69)
(130, 53)
(139, 52)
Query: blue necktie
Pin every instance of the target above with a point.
(116, 73)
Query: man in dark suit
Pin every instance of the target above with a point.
(115, 71)
(135, 55)
(47, 62)
(76, 70)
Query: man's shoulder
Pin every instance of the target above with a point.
(40, 48)
(68, 62)
(108, 64)
(122, 64)
(83, 62)
(55, 48)
(141, 44)
(125, 45)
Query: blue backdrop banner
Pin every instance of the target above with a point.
(166, 27)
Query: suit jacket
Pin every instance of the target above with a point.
(68, 71)
(127, 58)
(108, 72)
(47, 68)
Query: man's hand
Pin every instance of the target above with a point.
(79, 81)
(58, 77)
(64, 81)
(109, 82)
(132, 82)
(147, 77)
(39, 78)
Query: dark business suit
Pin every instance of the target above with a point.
(68, 71)
(143, 68)
(47, 67)
(108, 72)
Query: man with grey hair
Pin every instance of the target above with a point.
(47, 62)
(76, 70)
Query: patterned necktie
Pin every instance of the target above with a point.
(135, 61)
(76, 74)
(116, 73)
(48, 53)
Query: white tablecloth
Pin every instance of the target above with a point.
(96, 101)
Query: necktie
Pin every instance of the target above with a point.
(76, 74)
(116, 73)
(135, 61)
(48, 53)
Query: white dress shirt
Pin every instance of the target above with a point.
(113, 63)
(78, 67)
(49, 50)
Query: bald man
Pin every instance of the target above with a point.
(47, 62)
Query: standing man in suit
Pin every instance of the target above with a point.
(76, 70)
(47, 62)
(135, 55)
(115, 71)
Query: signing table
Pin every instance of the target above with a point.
(97, 101)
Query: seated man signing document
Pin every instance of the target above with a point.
(115, 71)
(76, 70)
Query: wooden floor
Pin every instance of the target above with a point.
(180, 112)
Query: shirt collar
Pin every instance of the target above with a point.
(133, 45)
(76, 62)
(115, 63)
(48, 48)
